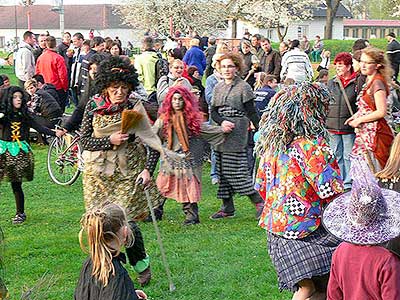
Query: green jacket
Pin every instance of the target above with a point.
(145, 65)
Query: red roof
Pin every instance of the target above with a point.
(75, 17)
(382, 23)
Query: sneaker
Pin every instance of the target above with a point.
(221, 215)
(259, 210)
(144, 277)
(19, 218)
(214, 181)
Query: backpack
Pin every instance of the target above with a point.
(161, 67)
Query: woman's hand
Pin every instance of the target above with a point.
(178, 81)
(140, 294)
(353, 122)
(227, 126)
(60, 132)
(117, 138)
(145, 176)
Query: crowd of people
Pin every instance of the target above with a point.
(326, 181)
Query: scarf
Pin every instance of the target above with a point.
(346, 81)
(179, 125)
(103, 106)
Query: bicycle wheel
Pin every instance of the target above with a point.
(63, 164)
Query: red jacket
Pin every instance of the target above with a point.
(364, 272)
(52, 67)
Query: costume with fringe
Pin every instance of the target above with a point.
(110, 172)
(297, 175)
(183, 183)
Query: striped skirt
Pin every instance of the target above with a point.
(233, 172)
(307, 258)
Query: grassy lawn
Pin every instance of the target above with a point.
(214, 260)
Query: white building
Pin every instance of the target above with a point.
(310, 28)
(77, 18)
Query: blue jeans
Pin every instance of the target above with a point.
(213, 173)
(342, 144)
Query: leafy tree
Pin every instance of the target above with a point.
(199, 15)
(358, 8)
(277, 14)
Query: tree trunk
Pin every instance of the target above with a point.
(331, 9)
(234, 28)
(281, 35)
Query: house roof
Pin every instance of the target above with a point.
(319, 11)
(378, 23)
(342, 11)
(75, 17)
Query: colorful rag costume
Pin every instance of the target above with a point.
(297, 176)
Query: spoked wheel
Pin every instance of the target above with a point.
(63, 164)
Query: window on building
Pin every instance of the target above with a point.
(346, 32)
(382, 33)
(398, 32)
(355, 32)
(2, 41)
(364, 33)
(373, 31)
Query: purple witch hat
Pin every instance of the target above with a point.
(367, 215)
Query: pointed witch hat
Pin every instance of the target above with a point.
(368, 214)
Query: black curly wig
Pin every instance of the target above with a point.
(115, 69)
(6, 102)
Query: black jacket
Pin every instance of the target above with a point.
(119, 287)
(393, 52)
(51, 89)
(209, 52)
(48, 106)
(270, 63)
(338, 109)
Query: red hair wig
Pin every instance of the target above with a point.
(191, 109)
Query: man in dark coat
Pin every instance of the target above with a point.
(393, 53)
(209, 53)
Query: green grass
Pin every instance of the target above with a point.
(9, 71)
(217, 260)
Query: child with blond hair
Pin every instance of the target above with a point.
(103, 276)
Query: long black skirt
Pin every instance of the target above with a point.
(233, 172)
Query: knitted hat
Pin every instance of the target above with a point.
(367, 215)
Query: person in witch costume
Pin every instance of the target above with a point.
(16, 156)
(114, 160)
(182, 129)
(297, 176)
(367, 219)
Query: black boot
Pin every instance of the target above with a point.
(191, 211)
(258, 202)
(158, 212)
